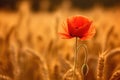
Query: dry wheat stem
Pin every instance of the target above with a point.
(66, 73)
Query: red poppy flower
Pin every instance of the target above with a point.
(78, 26)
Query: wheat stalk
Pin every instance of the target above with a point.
(43, 69)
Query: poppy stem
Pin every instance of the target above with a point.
(75, 59)
(86, 54)
(85, 67)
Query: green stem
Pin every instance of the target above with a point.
(85, 67)
(75, 59)
(86, 52)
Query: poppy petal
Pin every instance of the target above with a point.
(89, 34)
(78, 26)
(83, 30)
(65, 36)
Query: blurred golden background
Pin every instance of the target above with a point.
(30, 47)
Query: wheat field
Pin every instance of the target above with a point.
(30, 47)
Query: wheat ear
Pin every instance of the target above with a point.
(100, 67)
(116, 75)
